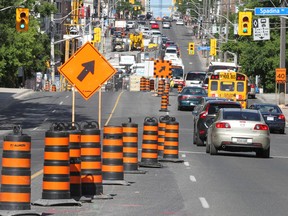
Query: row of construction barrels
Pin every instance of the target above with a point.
(75, 164)
(146, 84)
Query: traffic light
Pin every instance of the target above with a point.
(97, 35)
(22, 19)
(191, 49)
(132, 1)
(245, 23)
(213, 46)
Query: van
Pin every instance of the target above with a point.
(194, 78)
(171, 52)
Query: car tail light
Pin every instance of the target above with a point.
(204, 113)
(201, 132)
(261, 127)
(183, 97)
(282, 117)
(223, 125)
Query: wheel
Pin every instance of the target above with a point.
(179, 108)
(263, 153)
(199, 141)
(207, 148)
(194, 137)
(213, 150)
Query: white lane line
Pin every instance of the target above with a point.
(67, 96)
(183, 155)
(192, 178)
(35, 128)
(186, 163)
(204, 203)
(53, 111)
(191, 152)
(61, 103)
(45, 119)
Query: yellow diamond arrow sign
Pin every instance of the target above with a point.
(87, 70)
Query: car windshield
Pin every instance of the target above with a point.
(196, 76)
(269, 109)
(194, 91)
(214, 108)
(177, 72)
(240, 115)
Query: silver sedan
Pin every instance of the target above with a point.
(240, 130)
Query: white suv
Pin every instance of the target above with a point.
(195, 78)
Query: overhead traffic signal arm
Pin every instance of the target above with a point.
(22, 19)
(245, 23)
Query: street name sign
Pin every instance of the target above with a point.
(87, 70)
(271, 11)
(199, 48)
(261, 29)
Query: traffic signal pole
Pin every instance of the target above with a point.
(282, 87)
(52, 52)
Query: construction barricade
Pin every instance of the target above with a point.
(161, 83)
(147, 84)
(130, 148)
(171, 143)
(75, 160)
(112, 156)
(164, 103)
(152, 83)
(149, 155)
(161, 134)
(56, 171)
(91, 165)
(142, 84)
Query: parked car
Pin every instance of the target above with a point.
(272, 115)
(166, 25)
(130, 24)
(240, 130)
(180, 22)
(154, 26)
(203, 117)
(194, 78)
(189, 97)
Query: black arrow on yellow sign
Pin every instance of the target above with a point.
(88, 67)
(162, 69)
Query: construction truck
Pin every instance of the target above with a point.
(119, 43)
(136, 41)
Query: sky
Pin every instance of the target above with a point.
(161, 8)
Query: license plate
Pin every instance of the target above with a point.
(270, 118)
(239, 140)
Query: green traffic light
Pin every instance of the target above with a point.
(245, 30)
(22, 24)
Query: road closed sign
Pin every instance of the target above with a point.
(87, 70)
(280, 75)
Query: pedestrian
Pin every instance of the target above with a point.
(171, 85)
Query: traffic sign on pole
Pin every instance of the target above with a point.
(261, 29)
(87, 70)
(271, 11)
(162, 69)
(280, 75)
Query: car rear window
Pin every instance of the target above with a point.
(196, 76)
(269, 108)
(240, 115)
(214, 108)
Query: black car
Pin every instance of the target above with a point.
(203, 118)
(272, 115)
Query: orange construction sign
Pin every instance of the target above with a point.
(162, 69)
(87, 70)
(280, 75)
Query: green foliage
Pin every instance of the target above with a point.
(258, 57)
(28, 50)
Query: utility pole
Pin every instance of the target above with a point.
(227, 28)
(282, 46)
(52, 52)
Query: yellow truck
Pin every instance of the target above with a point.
(136, 41)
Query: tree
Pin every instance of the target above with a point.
(28, 50)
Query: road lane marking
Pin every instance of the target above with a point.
(204, 203)
(192, 178)
(35, 128)
(40, 172)
(61, 103)
(53, 111)
(186, 163)
(45, 119)
(191, 152)
(112, 112)
(183, 156)
(67, 96)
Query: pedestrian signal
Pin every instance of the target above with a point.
(191, 49)
(245, 23)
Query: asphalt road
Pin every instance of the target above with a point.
(227, 184)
